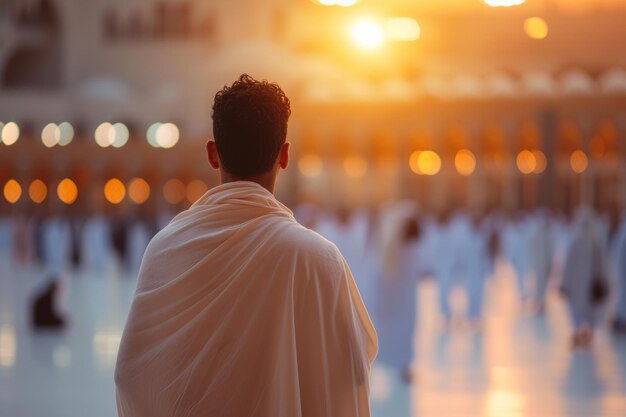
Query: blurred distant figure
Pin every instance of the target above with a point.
(480, 245)
(619, 253)
(395, 314)
(96, 243)
(459, 256)
(443, 264)
(515, 242)
(541, 253)
(22, 240)
(57, 244)
(44, 314)
(6, 233)
(584, 284)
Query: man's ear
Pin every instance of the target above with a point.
(212, 155)
(283, 156)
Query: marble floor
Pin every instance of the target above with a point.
(518, 365)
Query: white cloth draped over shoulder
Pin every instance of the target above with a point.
(240, 311)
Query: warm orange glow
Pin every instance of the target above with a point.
(429, 162)
(67, 191)
(465, 162)
(114, 191)
(138, 190)
(9, 133)
(597, 148)
(367, 34)
(355, 166)
(579, 161)
(37, 191)
(536, 28)
(310, 165)
(174, 191)
(195, 190)
(541, 162)
(402, 29)
(526, 162)
(12, 191)
(413, 162)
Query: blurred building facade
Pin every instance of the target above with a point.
(484, 108)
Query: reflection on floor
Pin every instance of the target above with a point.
(519, 365)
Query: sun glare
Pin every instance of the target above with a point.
(367, 34)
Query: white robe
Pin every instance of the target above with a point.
(583, 263)
(240, 311)
(96, 244)
(396, 310)
(57, 245)
(619, 254)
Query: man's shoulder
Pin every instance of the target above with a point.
(309, 245)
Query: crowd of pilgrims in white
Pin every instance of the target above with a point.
(388, 251)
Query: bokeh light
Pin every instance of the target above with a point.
(108, 134)
(12, 191)
(429, 163)
(367, 34)
(50, 135)
(310, 165)
(114, 191)
(465, 162)
(67, 191)
(413, 162)
(166, 135)
(195, 190)
(105, 134)
(536, 28)
(526, 162)
(174, 191)
(121, 135)
(37, 191)
(402, 29)
(151, 134)
(541, 162)
(355, 166)
(504, 3)
(138, 190)
(341, 3)
(579, 161)
(9, 133)
(66, 133)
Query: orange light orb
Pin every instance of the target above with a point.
(138, 190)
(67, 191)
(114, 191)
(12, 191)
(37, 191)
(174, 191)
(579, 161)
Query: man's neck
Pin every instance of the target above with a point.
(267, 180)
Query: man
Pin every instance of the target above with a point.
(240, 311)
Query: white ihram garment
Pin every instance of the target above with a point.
(240, 311)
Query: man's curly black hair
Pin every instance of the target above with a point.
(250, 125)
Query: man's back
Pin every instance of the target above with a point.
(240, 311)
